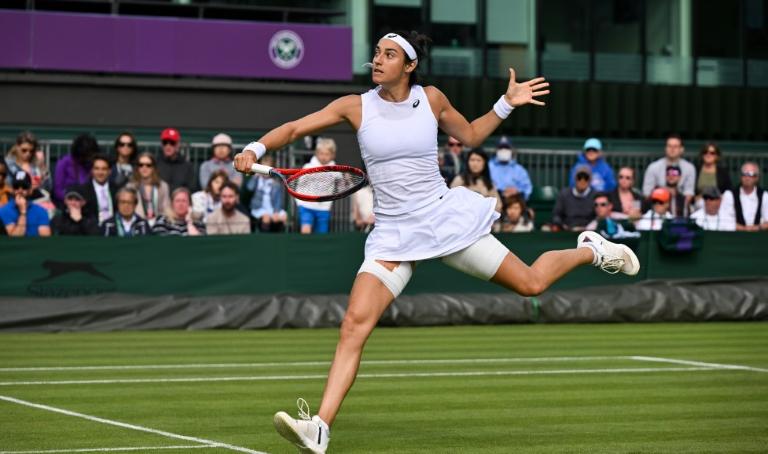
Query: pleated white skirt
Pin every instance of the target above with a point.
(451, 223)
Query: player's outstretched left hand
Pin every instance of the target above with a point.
(520, 93)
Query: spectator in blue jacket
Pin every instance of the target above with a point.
(267, 213)
(603, 179)
(508, 176)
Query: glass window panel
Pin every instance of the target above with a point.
(454, 11)
(718, 43)
(564, 40)
(390, 18)
(456, 61)
(409, 3)
(757, 42)
(510, 37)
(616, 26)
(667, 42)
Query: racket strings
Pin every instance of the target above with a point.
(322, 184)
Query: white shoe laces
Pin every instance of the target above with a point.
(303, 409)
(610, 265)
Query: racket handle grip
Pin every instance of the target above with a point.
(260, 169)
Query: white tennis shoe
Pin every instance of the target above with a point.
(309, 434)
(609, 257)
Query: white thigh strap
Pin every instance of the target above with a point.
(394, 280)
(481, 259)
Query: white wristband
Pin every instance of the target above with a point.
(502, 108)
(257, 147)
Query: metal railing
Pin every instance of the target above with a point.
(545, 167)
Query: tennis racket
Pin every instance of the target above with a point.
(317, 184)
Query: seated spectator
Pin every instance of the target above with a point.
(99, 193)
(678, 203)
(516, 217)
(477, 177)
(659, 212)
(712, 216)
(362, 215)
(315, 217)
(750, 201)
(606, 225)
(21, 217)
(507, 175)
(266, 206)
(449, 159)
(711, 174)
(626, 199)
(126, 223)
(221, 160)
(23, 156)
(602, 173)
(74, 168)
(73, 220)
(207, 201)
(6, 193)
(152, 191)
(172, 166)
(655, 174)
(227, 220)
(124, 158)
(178, 219)
(574, 206)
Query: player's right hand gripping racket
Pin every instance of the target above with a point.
(317, 184)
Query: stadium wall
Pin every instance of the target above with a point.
(291, 281)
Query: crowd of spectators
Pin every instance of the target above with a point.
(127, 192)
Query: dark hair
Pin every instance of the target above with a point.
(214, 175)
(231, 186)
(602, 194)
(84, 147)
(707, 146)
(134, 145)
(27, 137)
(420, 43)
(516, 199)
(674, 135)
(485, 175)
(101, 157)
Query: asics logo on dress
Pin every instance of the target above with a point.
(416, 103)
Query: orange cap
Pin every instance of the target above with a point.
(660, 194)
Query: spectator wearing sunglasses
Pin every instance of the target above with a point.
(20, 216)
(602, 173)
(678, 203)
(607, 224)
(626, 199)
(153, 192)
(574, 208)
(751, 201)
(23, 156)
(172, 167)
(659, 212)
(449, 159)
(711, 173)
(6, 193)
(715, 214)
(124, 158)
(507, 174)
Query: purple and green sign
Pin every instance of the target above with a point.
(169, 46)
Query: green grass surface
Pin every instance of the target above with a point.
(595, 398)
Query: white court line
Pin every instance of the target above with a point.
(657, 359)
(141, 448)
(381, 375)
(315, 363)
(208, 443)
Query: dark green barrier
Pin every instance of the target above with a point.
(269, 264)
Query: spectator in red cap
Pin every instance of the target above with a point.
(659, 212)
(173, 168)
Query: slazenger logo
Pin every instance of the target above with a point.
(66, 279)
(286, 49)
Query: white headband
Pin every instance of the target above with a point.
(409, 50)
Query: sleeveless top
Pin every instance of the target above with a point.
(398, 143)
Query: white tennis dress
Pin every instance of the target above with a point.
(417, 216)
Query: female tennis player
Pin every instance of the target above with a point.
(417, 216)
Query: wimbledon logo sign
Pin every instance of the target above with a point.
(286, 49)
